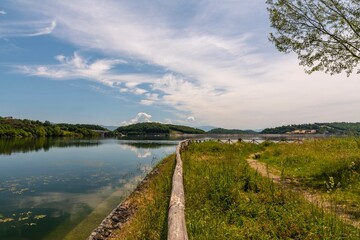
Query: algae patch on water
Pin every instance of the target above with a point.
(39, 216)
(6, 220)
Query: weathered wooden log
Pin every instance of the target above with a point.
(176, 218)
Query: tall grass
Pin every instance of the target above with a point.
(331, 166)
(225, 199)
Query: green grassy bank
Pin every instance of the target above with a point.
(328, 166)
(226, 199)
(151, 205)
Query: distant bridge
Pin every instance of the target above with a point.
(103, 133)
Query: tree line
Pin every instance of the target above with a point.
(153, 128)
(15, 128)
(340, 128)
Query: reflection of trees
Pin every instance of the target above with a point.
(158, 137)
(9, 146)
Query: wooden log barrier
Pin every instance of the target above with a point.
(176, 218)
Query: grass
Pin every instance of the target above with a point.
(329, 166)
(225, 199)
(151, 203)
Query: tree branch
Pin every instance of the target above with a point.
(340, 40)
(338, 11)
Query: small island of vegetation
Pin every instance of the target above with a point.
(154, 128)
(230, 131)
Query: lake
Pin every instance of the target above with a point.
(63, 188)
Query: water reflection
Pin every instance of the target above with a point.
(147, 144)
(62, 188)
(10, 146)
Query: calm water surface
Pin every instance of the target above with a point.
(63, 188)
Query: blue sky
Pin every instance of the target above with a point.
(200, 62)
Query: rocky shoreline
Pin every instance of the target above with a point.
(121, 214)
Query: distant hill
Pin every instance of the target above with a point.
(230, 131)
(340, 128)
(153, 128)
(111, 128)
(206, 128)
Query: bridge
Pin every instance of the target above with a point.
(102, 133)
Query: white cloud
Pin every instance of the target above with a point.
(146, 102)
(139, 91)
(150, 99)
(220, 67)
(140, 117)
(190, 119)
(2, 12)
(168, 121)
(139, 152)
(44, 31)
(27, 28)
(99, 70)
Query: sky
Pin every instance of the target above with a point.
(192, 62)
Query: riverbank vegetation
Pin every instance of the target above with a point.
(19, 128)
(151, 204)
(328, 166)
(227, 199)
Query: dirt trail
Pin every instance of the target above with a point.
(311, 196)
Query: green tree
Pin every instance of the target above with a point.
(57, 131)
(325, 34)
(40, 132)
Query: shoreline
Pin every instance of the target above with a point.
(122, 213)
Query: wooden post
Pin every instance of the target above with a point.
(176, 218)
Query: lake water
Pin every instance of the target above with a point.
(63, 188)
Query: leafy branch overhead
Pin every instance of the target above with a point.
(325, 34)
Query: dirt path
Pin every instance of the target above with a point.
(311, 196)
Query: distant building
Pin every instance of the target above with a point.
(299, 131)
(8, 118)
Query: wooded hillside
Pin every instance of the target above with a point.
(153, 128)
(321, 128)
(11, 128)
(230, 131)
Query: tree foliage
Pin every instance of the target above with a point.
(325, 34)
(12, 128)
(143, 129)
(230, 131)
(341, 128)
(153, 128)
